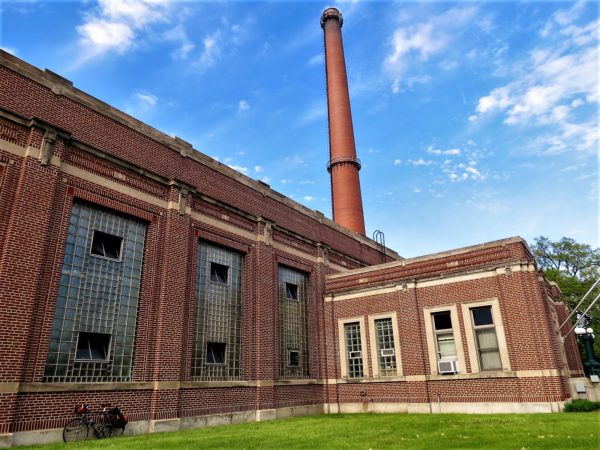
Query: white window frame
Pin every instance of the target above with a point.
(343, 355)
(373, 342)
(470, 334)
(430, 335)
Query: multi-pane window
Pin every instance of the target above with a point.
(485, 338)
(217, 345)
(93, 330)
(444, 336)
(353, 350)
(386, 352)
(293, 323)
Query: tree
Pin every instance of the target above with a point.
(574, 267)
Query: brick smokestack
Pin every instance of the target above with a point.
(343, 163)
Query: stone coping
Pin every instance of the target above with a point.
(64, 87)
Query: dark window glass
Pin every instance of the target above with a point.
(291, 291)
(442, 320)
(106, 245)
(215, 353)
(218, 273)
(293, 358)
(93, 346)
(482, 316)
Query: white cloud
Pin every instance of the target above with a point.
(558, 77)
(11, 50)
(148, 99)
(265, 179)
(422, 40)
(462, 171)
(437, 151)
(307, 182)
(397, 162)
(316, 60)
(308, 198)
(243, 105)
(259, 169)
(241, 169)
(211, 50)
(179, 35)
(115, 25)
(420, 162)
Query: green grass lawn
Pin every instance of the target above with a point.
(377, 431)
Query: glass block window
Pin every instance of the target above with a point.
(93, 330)
(444, 336)
(485, 338)
(293, 324)
(217, 342)
(386, 352)
(354, 350)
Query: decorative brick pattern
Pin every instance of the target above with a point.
(113, 162)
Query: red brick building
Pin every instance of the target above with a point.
(137, 271)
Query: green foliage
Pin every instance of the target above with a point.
(377, 431)
(582, 406)
(574, 267)
(569, 257)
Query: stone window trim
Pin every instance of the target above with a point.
(373, 342)
(430, 336)
(342, 346)
(470, 334)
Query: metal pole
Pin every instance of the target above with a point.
(578, 304)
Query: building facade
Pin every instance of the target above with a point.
(139, 272)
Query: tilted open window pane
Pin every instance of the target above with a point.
(293, 358)
(106, 245)
(218, 273)
(92, 346)
(291, 291)
(215, 352)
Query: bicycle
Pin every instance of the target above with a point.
(112, 423)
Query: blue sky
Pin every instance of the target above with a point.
(474, 121)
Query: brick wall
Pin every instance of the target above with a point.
(101, 156)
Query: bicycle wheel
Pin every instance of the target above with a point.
(75, 430)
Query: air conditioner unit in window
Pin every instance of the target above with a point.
(387, 352)
(445, 367)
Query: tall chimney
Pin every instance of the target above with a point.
(343, 164)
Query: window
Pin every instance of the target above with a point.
(291, 291)
(293, 359)
(215, 352)
(94, 326)
(353, 350)
(294, 355)
(444, 336)
(485, 338)
(92, 347)
(386, 353)
(106, 245)
(218, 273)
